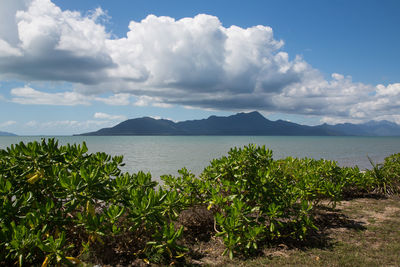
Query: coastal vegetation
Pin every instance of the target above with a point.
(63, 205)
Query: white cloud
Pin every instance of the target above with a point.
(161, 118)
(27, 95)
(356, 105)
(31, 123)
(337, 120)
(115, 100)
(68, 126)
(64, 127)
(55, 44)
(390, 90)
(100, 115)
(8, 123)
(144, 101)
(162, 56)
(395, 118)
(162, 105)
(193, 62)
(8, 26)
(337, 76)
(7, 50)
(45, 26)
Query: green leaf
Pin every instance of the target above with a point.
(231, 254)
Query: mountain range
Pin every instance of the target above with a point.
(6, 134)
(252, 123)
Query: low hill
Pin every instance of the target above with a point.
(6, 134)
(371, 128)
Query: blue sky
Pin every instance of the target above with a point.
(75, 66)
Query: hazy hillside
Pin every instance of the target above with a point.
(6, 134)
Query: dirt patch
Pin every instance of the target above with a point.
(391, 212)
(208, 253)
(198, 223)
(369, 211)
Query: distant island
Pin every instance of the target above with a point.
(252, 123)
(6, 134)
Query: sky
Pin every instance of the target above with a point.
(69, 67)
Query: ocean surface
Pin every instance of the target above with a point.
(167, 154)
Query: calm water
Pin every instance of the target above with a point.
(166, 154)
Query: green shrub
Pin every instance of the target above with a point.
(59, 204)
(254, 200)
(315, 179)
(391, 170)
(48, 195)
(385, 176)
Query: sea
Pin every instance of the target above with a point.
(162, 155)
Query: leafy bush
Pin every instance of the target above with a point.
(59, 204)
(256, 198)
(385, 176)
(323, 179)
(391, 168)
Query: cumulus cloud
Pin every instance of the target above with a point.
(193, 62)
(7, 123)
(42, 42)
(28, 95)
(172, 58)
(70, 123)
(144, 101)
(390, 90)
(382, 103)
(8, 26)
(31, 123)
(101, 115)
(7, 50)
(115, 100)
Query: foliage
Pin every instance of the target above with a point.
(256, 198)
(386, 176)
(60, 204)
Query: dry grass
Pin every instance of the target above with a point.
(358, 232)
